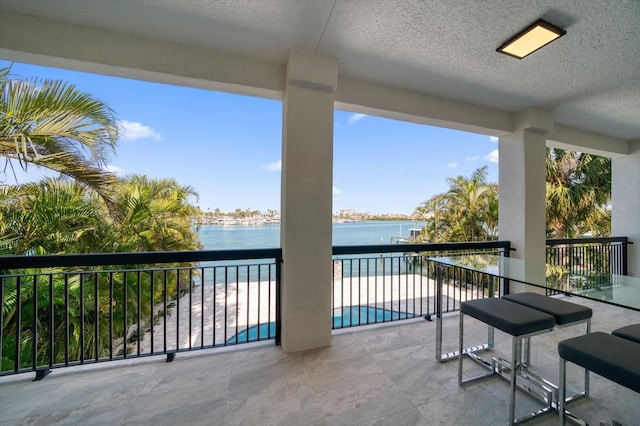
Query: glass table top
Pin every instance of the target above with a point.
(621, 290)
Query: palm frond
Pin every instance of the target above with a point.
(52, 124)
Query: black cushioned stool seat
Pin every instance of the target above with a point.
(519, 321)
(512, 318)
(609, 356)
(612, 357)
(630, 332)
(564, 312)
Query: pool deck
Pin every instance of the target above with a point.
(220, 312)
(374, 375)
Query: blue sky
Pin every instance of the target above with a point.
(228, 147)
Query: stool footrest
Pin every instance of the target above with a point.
(470, 350)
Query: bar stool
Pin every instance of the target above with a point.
(521, 322)
(565, 314)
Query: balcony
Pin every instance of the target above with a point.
(382, 374)
(369, 373)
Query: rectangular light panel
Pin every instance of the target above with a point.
(531, 39)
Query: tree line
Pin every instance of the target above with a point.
(87, 209)
(578, 194)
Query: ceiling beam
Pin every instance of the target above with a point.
(384, 101)
(51, 43)
(584, 141)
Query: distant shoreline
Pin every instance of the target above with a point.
(264, 221)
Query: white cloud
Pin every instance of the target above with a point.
(493, 138)
(337, 191)
(356, 117)
(276, 166)
(474, 158)
(492, 156)
(115, 169)
(452, 165)
(132, 131)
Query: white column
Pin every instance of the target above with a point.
(625, 204)
(307, 183)
(522, 214)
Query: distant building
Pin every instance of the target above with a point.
(346, 213)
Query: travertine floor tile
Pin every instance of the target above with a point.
(380, 375)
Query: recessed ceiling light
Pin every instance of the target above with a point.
(534, 37)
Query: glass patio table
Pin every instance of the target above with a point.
(614, 289)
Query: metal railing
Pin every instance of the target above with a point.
(382, 283)
(589, 255)
(64, 310)
(587, 262)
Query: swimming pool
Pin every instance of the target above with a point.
(347, 316)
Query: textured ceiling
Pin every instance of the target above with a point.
(445, 48)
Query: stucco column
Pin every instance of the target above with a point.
(522, 218)
(625, 204)
(306, 205)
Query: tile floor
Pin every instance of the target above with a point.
(382, 375)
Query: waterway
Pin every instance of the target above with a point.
(234, 237)
(217, 237)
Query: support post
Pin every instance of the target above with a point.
(625, 204)
(307, 193)
(522, 201)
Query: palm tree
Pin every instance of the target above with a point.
(469, 198)
(578, 192)
(50, 124)
(467, 212)
(57, 215)
(433, 212)
(52, 216)
(154, 215)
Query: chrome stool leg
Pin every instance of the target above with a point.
(561, 390)
(516, 353)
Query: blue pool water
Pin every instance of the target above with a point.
(346, 316)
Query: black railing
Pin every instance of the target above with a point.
(62, 310)
(395, 282)
(55, 314)
(588, 260)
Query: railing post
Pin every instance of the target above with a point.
(506, 252)
(18, 316)
(41, 373)
(34, 337)
(1, 316)
(624, 256)
(439, 283)
(278, 299)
